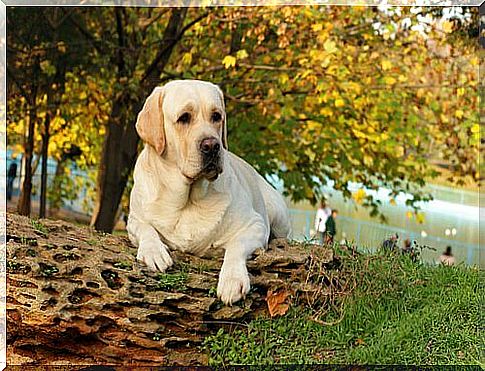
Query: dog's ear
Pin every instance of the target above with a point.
(224, 126)
(149, 123)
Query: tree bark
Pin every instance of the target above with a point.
(75, 297)
(121, 144)
(24, 203)
(54, 97)
(23, 207)
(43, 173)
(55, 205)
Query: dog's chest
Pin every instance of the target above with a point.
(194, 228)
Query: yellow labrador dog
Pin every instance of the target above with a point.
(191, 194)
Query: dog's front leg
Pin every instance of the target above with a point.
(234, 281)
(151, 250)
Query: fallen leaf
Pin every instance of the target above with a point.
(359, 341)
(276, 302)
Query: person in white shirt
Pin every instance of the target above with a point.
(323, 213)
(447, 257)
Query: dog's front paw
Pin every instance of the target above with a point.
(155, 255)
(233, 283)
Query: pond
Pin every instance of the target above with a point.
(452, 218)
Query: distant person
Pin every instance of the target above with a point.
(11, 175)
(406, 249)
(409, 249)
(391, 243)
(330, 228)
(323, 213)
(447, 257)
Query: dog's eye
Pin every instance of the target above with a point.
(184, 119)
(216, 117)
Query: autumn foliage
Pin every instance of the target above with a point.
(382, 97)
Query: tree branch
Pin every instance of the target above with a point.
(93, 41)
(170, 39)
(121, 42)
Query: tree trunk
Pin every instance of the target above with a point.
(23, 206)
(54, 97)
(55, 205)
(121, 144)
(43, 174)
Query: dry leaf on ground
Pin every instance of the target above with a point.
(277, 302)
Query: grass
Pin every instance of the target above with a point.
(39, 227)
(396, 312)
(172, 281)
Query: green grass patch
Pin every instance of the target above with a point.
(172, 281)
(39, 227)
(123, 265)
(394, 311)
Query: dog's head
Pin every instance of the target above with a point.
(185, 121)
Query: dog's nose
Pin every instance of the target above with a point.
(210, 146)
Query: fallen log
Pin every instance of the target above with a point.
(75, 296)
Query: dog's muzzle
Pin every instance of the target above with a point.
(210, 148)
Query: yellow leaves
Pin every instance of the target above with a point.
(317, 27)
(242, 54)
(47, 68)
(229, 61)
(402, 78)
(327, 112)
(311, 155)
(368, 160)
(444, 119)
(460, 91)
(339, 102)
(52, 147)
(281, 28)
(475, 129)
(359, 196)
(374, 55)
(474, 61)
(459, 114)
(352, 87)
(420, 218)
(187, 58)
(447, 26)
(91, 85)
(326, 62)
(386, 65)
(330, 46)
(389, 80)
